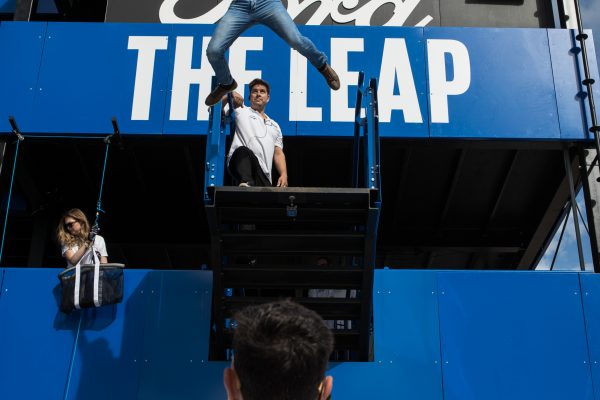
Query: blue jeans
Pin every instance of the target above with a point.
(242, 14)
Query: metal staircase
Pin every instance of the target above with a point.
(264, 240)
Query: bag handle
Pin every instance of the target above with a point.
(78, 280)
(96, 277)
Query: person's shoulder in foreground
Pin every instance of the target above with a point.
(280, 352)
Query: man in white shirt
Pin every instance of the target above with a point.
(257, 142)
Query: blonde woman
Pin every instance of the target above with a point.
(73, 234)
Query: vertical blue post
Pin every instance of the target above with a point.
(372, 164)
(214, 167)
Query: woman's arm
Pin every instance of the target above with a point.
(73, 257)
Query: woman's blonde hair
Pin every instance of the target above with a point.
(64, 237)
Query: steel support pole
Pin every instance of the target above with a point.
(591, 192)
(569, 172)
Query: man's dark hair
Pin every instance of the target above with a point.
(280, 351)
(259, 81)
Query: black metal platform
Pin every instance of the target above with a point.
(264, 242)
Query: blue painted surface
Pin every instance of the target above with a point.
(177, 335)
(501, 335)
(21, 45)
(8, 6)
(88, 74)
(511, 94)
(406, 328)
(590, 293)
(36, 340)
(110, 345)
(568, 73)
(513, 336)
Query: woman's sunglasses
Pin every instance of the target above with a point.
(70, 224)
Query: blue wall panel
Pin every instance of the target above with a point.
(407, 332)
(513, 336)
(181, 321)
(21, 46)
(88, 76)
(8, 6)
(568, 74)
(590, 293)
(36, 340)
(510, 94)
(110, 344)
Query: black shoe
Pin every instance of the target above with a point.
(217, 94)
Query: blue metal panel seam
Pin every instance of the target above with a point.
(440, 333)
(585, 328)
(1, 282)
(428, 102)
(554, 83)
(37, 81)
(169, 79)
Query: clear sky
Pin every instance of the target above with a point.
(590, 13)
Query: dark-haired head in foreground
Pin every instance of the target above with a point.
(280, 352)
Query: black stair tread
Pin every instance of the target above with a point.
(292, 277)
(265, 196)
(298, 234)
(305, 216)
(255, 242)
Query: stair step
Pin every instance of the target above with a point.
(291, 277)
(256, 242)
(310, 197)
(305, 215)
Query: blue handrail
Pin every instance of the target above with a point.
(215, 146)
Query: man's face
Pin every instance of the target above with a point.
(259, 97)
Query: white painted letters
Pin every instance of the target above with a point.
(439, 87)
(395, 64)
(237, 60)
(142, 92)
(340, 47)
(299, 110)
(184, 76)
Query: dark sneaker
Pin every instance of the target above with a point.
(333, 80)
(217, 94)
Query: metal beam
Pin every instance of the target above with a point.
(569, 171)
(401, 185)
(452, 188)
(549, 225)
(591, 192)
(500, 194)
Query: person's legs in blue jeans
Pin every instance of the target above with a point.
(240, 16)
(274, 15)
(235, 21)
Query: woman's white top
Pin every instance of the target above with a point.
(99, 247)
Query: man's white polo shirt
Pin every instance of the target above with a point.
(259, 135)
